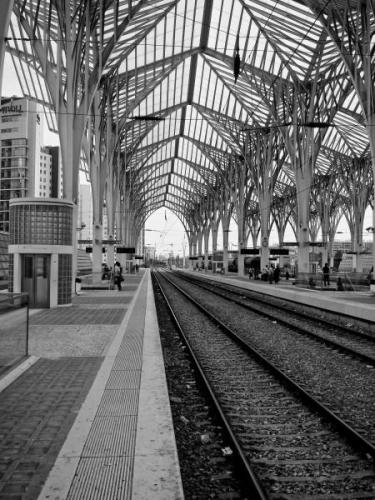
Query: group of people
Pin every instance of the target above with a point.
(269, 273)
(115, 276)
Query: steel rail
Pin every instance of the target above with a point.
(345, 429)
(249, 293)
(250, 479)
(299, 329)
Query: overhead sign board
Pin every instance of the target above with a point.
(105, 242)
(125, 249)
(249, 251)
(89, 250)
(316, 244)
(279, 251)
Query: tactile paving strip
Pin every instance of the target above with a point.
(37, 412)
(129, 355)
(128, 362)
(105, 469)
(119, 402)
(102, 478)
(114, 436)
(120, 379)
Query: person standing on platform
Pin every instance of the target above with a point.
(270, 274)
(276, 274)
(326, 274)
(117, 274)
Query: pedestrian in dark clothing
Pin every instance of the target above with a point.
(326, 274)
(270, 274)
(340, 285)
(117, 275)
(276, 274)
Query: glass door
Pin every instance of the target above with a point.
(35, 279)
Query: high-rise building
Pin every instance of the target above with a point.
(26, 168)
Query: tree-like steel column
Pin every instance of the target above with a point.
(325, 194)
(206, 229)
(96, 152)
(281, 209)
(355, 175)
(303, 140)
(264, 155)
(226, 210)
(242, 189)
(351, 28)
(253, 222)
(214, 224)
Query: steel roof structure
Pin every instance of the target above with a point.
(176, 94)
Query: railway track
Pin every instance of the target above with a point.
(342, 383)
(356, 343)
(296, 448)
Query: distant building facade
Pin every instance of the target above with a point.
(26, 168)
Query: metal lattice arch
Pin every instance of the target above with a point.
(257, 110)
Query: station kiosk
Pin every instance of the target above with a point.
(41, 250)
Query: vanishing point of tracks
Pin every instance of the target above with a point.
(297, 445)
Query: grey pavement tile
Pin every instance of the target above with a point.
(51, 341)
(114, 299)
(37, 412)
(78, 316)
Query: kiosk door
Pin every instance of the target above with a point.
(35, 279)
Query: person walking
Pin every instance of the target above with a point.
(117, 275)
(326, 274)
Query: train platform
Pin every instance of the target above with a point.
(87, 415)
(357, 304)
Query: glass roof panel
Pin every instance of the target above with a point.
(173, 61)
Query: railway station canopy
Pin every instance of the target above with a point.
(191, 103)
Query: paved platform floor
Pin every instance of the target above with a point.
(88, 416)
